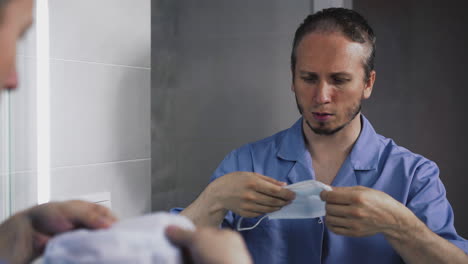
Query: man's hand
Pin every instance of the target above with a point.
(210, 245)
(245, 193)
(360, 211)
(249, 194)
(23, 237)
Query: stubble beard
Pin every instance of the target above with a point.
(351, 114)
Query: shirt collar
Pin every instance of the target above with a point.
(292, 145)
(366, 151)
(363, 156)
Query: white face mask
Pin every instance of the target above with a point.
(306, 205)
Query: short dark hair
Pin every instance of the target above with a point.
(346, 21)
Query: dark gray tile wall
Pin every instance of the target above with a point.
(420, 94)
(220, 79)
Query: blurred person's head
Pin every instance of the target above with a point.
(15, 19)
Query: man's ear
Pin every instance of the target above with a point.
(292, 81)
(369, 85)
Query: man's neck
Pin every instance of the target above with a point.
(336, 146)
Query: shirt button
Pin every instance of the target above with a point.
(319, 221)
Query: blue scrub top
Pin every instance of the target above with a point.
(375, 162)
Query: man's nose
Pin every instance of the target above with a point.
(323, 93)
(12, 80)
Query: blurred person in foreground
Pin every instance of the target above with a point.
(24, 235)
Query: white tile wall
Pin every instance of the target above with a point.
(24, 190)
(23, 117)
(19, 119)
(4, 138)
(128, 182)
(107, 31)
(100, 105)
(99, 113)
(100, 101)
(27, 45)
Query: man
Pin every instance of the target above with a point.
(24, 236)
(387, 205)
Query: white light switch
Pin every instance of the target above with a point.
(101, 198)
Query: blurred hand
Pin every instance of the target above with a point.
(23, 236)
(210, 245)
(360, 211)
(249, 194)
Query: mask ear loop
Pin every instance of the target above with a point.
(239, 228)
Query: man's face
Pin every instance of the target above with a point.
(16, 19)
(329, 82)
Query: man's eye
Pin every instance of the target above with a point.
(340, 80)
(309, 79)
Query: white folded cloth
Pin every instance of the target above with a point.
(139, 240)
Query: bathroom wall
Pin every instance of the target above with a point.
(420, 93)
(221, 78)
(100, 108)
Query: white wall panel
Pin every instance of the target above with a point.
(27, 45)
(99, 113)
(23, 185)
(23, 118)
(128, 183)
(100, 105)
(105, 31)
(100, 101)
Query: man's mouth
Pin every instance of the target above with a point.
(321, 116)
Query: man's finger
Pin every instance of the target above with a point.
(274, 190)
(58, 217)
(338, 209)
(274, 181)
(178, 236)
(258, 208)
(267, 200)
(337, 221)
(339, 195)
(39, 243)
(89, 215)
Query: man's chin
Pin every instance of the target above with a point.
(324, 132)
(324, 129)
